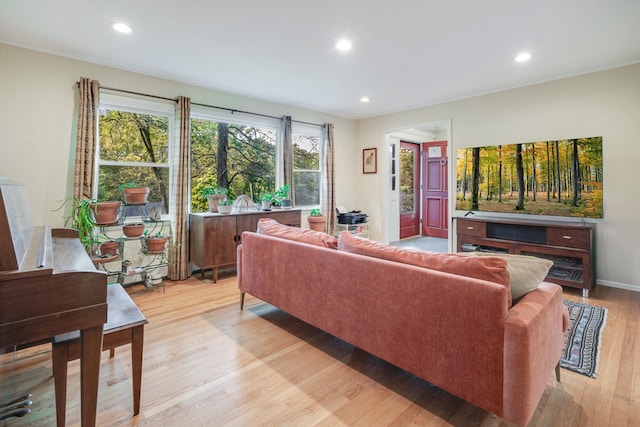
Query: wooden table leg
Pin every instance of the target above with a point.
(137, 338)
(91, 343)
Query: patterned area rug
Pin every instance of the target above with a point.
(582, 340)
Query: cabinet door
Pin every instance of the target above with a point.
(219, 241)
(247, 223)
(286, 217)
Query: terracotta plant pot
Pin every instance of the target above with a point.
(133, 230)
(214, 200)
(109, 247)
(135, 195)
(317, 222)
(156, 244)
(106, 212)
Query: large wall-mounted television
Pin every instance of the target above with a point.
(559, 178)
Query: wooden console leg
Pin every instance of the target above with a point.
(558, 372)
(137, 339)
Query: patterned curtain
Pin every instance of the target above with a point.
(287, 153)
(328, 184)
(179, 258)
(88, 103)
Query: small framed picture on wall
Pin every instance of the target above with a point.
(370, 160)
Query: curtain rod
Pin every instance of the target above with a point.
(232, 110)
(138, 93)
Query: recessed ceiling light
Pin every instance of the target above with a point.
(121, 27)
(365, 99)
(523, 57)
(344, 45)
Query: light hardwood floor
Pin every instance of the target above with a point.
(206, 363)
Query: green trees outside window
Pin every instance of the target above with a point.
(237, 157)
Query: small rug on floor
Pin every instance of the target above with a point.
(582, 340)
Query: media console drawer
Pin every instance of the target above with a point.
(472, 228)
(569, 246)
(573, 238)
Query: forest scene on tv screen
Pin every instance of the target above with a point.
(559, 178)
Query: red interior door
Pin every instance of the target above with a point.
(434, 189)
(409, 189)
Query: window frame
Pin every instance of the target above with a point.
(307, 129)
(133, 104)
(245, 119)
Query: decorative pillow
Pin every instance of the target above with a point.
(273, 228)
(526, 272)
(489, 269)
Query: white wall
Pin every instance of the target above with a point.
(38, 122)
(603, 104)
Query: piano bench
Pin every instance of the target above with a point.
(125, 325)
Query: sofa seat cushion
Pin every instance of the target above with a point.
(483, 268)
(526, 272)
(271, 227)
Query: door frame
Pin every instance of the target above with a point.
(392, 139)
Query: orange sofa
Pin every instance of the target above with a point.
(456, 332)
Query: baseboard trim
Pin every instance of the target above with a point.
(618, 285)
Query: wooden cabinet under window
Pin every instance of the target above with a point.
(570, 247)
(214, 237)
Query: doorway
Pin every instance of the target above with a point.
(417, 208)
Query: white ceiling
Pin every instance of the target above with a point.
(406, 53)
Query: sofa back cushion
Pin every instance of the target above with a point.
(491, 269)
(271, 227)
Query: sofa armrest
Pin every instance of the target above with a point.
(533, 342)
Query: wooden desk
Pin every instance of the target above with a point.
(125, 324)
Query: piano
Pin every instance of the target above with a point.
(49, 286)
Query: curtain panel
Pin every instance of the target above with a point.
(179, 255)
(328, 184)
(88, 104)
(287, 153)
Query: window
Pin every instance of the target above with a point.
(232, 150)
(307, 172)
(134, 145)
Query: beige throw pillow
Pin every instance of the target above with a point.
(526, 272)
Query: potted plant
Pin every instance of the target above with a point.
(316, 220)
(109, 247)
(266, 199)
(214, 194)
(281, 197)
(133, 229)
(134, 194)
(81, 218)
(105, 212)
(225, 206)
(155, 244)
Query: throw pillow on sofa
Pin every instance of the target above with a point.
(489, 269)
(526, 272)
(273, 228)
